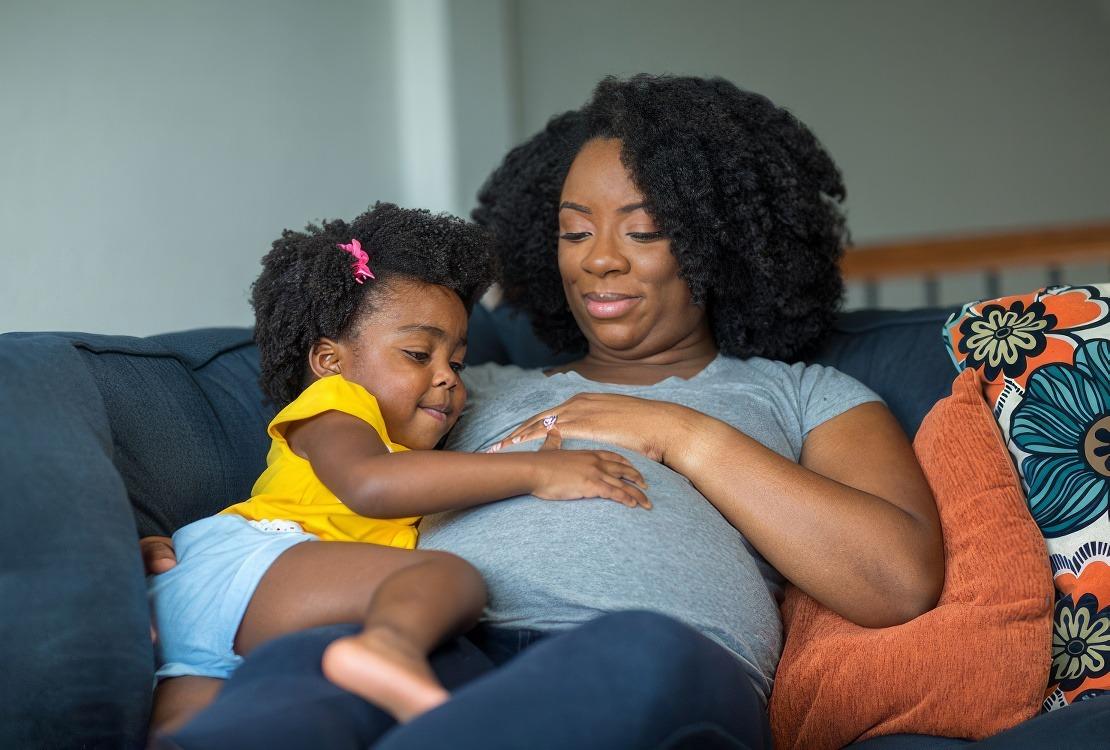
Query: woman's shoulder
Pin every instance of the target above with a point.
(813, 393)
(758, 370)
(803, 380)
(775, 369)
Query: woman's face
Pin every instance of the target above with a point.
(619, 275)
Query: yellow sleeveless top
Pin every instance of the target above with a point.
(289, 489)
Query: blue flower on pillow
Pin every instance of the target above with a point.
(1063, 424)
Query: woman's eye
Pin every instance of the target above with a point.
(418, 356)
(458, 366)
(647, 236)
(574, 236)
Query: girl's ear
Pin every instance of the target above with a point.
(324, 358)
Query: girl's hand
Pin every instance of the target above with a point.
(158, 554)
(575, 475)
(653, 428)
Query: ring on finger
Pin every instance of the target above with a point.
(550, 420)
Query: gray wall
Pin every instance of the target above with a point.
(150, 151)
(944, 115)
(483, 101)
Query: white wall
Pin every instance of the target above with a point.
(944, 115)
(484, 101)
(150, 151)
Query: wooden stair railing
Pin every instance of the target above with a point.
(989, 253)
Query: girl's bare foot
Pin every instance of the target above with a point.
(386, 670)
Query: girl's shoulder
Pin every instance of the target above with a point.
(333, 393)
(329, 393)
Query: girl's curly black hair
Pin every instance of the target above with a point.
(748, 196)
(307, 289)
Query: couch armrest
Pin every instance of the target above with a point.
(74, 633)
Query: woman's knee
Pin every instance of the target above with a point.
(649, 644)
(672, 663)
(645, 626)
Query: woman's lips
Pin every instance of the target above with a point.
(609, 305)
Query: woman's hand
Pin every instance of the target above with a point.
(576, 475)
(654, 428)
(158, 554)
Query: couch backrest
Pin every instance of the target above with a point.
(184, 412)
(187, 419)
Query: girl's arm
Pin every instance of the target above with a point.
(854, 524)
(351, 460)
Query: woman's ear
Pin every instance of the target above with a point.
(324, 359)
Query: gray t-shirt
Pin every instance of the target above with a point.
(552, 565)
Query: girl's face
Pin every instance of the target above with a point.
(408, 353)
(619, 275)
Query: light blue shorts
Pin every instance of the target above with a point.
(198, 604)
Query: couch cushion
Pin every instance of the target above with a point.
(188, 420)
(74, 635)
(985, 644)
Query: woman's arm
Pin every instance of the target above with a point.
(854, 524)
(349, 457)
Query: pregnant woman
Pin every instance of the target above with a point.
(684, 235)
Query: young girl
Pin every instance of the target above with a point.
(361, 331)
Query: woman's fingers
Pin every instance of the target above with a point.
(553, 441)
(532, 428)
(158, 554)
(530, 431)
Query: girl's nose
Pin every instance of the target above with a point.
(445, 377)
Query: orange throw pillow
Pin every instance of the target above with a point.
(972, 667)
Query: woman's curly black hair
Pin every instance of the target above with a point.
(307, 289)
(748, 196)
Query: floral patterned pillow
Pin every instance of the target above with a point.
(1044, 363)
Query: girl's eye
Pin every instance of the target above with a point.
(574, 236)
(458, 366)
(647, 236)
(418, 356)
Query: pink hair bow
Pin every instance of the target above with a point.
(359, 267)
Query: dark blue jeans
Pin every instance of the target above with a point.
(625, 680)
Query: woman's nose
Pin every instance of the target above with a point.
(605, 256)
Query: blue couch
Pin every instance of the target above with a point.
(108, 438)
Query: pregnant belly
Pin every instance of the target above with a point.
(550, 565)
